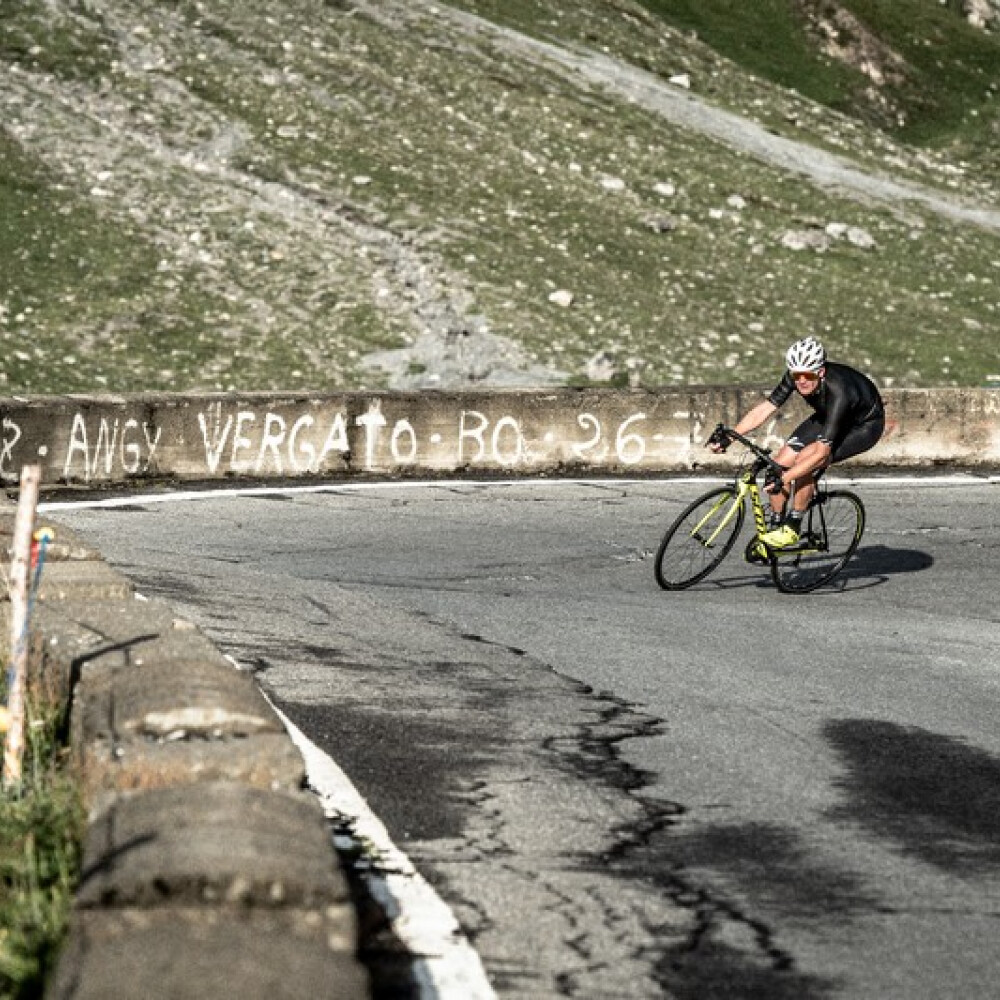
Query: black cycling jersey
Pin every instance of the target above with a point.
(845, 398)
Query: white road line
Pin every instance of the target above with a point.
(182, 496)
(446, 966)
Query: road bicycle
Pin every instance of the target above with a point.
(706, 530)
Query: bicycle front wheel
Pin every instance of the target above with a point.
(699, 539)
(831, 532)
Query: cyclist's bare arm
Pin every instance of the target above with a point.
(755, 417)
(752, 420)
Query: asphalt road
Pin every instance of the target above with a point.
(724, 792)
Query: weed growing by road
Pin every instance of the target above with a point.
(41, 830)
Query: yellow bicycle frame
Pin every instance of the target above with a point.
(747, 486)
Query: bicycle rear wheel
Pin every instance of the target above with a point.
(699, 539)
(831, 531)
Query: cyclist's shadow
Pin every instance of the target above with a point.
(871, 566)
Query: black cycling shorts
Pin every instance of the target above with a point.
(858, 439)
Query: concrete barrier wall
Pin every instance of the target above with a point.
(97, 440)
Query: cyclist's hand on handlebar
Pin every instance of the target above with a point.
(719, 440)
(774, 480)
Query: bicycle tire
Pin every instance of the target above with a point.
(683, 557)
(836, 520)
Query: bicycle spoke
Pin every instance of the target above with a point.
(831, 532)
(699, 539)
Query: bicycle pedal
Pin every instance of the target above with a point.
(805, 544)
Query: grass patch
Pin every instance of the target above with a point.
(37, 36)
(769, 40)
(41, 830)
(66, 266)
(250, 196)
(942, 92)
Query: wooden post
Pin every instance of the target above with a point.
(17, 673)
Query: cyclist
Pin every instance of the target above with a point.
(848, 418)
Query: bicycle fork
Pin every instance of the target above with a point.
(734, 505)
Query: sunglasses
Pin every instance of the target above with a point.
(806, 376)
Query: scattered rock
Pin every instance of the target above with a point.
(665, 189)
(602, 367)
(461, 356)
(983, 14)
(635, 368)
(681, 80)
(822, 239)
(561, 297)
(662, 223)
(860, 238)
(806, 239)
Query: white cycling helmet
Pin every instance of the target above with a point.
(806, 355)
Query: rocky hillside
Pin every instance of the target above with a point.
(327, 194)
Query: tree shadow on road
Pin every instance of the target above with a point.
(936, 797)
(743, 882)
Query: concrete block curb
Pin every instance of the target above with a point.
(208, 869)
(216, 951)
(218, 841)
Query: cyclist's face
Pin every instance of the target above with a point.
(807, 382)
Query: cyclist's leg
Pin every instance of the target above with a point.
(858, 439)
(802, 441)
(805, 489)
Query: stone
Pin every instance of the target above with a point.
(805, 239)
(602, 367)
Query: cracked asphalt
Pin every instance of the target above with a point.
(725, 792)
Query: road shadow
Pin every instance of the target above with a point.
(743, 881)
(875, 564)
(771, 864)
(871, 566)
(716, 971)
(934, 796)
